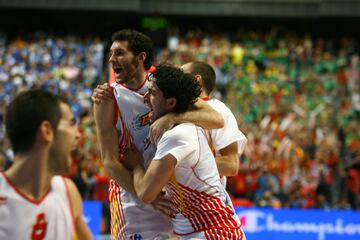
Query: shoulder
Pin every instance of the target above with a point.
(181, 136)
(181, 131)
(74, 196)
(180, 142)
(219, 106)
(70, 184)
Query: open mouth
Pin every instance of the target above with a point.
(117, 70)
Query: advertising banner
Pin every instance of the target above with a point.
(299, 224)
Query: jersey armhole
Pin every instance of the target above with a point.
(70, 204)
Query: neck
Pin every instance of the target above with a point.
(137, 80)
(30, 175)
(204, 95)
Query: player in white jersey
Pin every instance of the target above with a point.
(228, 143)
(183, 164)
(130, 56)
(34, 202)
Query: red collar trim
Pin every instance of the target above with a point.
(26, 197)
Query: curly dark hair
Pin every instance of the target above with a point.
(173, 82)
(138, 42)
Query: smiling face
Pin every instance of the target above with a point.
(155, 100)
(123, 62)
(65, 141)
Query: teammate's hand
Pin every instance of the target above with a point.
(160, 126)
(164, 204)
(102, 93)
(132, 158)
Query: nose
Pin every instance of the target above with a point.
(111, 57)
(78, 134)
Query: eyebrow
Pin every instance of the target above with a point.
(117, 50)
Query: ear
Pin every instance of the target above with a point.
(170, 103)
(199, 79)
(45, 133)
(141, 57)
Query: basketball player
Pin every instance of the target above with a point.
(183, 164)
(35, 202)
(228, 142)
(130, 58)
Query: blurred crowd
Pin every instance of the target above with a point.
(69, 65)
(296, 98)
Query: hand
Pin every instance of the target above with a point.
(102, 93)
(131, 158)
(164, 204)
(160, 126)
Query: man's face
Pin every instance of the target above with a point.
(123, 61)
(155, 100)
(65, 141)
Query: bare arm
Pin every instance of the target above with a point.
(202, 114)
(228, 163)
(104, 114)
(81, 228)
(149, 184)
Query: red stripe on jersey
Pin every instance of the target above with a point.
(3, 200)
(203, 210)
(228, 234)
(23, 195)
(118, 226)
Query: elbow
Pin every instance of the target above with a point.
(235, 166)
(235, 171)
(109, 165)
(220, 121)
(146, 197)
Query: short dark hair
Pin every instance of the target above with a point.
(173, 82)
(25, 114)
(206, 72)
(138, 42)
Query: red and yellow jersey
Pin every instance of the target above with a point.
(48, 218)
(129, 216)
(195, 188)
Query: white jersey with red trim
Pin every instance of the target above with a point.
(130, 218)
(195, 187)
(222, 137)
(22, 218)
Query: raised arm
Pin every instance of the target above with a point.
(104, 114)
(202, 114)
(81, 228)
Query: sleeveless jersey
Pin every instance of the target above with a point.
(129, 216)
(195, 188)
(49, 218)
